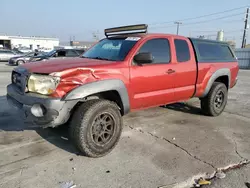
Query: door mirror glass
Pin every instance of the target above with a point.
(144, 58)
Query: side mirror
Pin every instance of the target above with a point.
(144, 58)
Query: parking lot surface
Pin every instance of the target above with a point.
(166, 146)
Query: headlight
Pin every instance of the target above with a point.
(43, 84)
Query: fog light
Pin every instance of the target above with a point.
(38, 110)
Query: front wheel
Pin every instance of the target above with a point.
(20, 62)
(215, 102)
(96, 127)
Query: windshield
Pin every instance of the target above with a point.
(18, 52)
(50, 53)
(112, 49)
(29, 54)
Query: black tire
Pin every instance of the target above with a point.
(212, 104)
(20, 62)
(84, 127)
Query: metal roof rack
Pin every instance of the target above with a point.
(129, 29)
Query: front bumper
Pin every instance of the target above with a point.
(12, 62)
(57, 111)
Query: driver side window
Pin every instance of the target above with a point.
(159, 48)
(61, 53)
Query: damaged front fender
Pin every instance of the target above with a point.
(101, 86)
(73, 78)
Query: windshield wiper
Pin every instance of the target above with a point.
(100, 58)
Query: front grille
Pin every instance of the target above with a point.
(19, 80)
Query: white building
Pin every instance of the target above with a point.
(28, 42)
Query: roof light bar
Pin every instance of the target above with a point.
(130, 29)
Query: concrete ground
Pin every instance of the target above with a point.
(166, 146)
(235, 178)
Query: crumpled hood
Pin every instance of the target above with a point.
(58, 65)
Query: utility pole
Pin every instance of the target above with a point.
(178, 25)
(245, 30)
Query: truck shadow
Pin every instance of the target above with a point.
(59, 137)
(11, 124)
(184, 107)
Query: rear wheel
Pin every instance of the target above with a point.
(215, 102)
(96, 127)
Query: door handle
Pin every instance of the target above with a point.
(170, 71)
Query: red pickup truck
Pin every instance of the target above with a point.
(126, 71)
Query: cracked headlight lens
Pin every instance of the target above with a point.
(43, 84)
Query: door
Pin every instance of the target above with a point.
(185, 70)
(8, 55)
(152, 84)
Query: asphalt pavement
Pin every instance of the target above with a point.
(166, 147)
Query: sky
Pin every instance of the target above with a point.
(81, 18)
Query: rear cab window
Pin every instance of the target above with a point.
(212, 51)
(79, 52)
(182, 50)
(71, 53)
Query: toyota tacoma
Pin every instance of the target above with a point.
(127, 70)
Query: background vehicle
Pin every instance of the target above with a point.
(17, 51)
(5, 54)
(25, 49)
(45, 49)
(18, 60)
(123, 73)
(59, 53)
